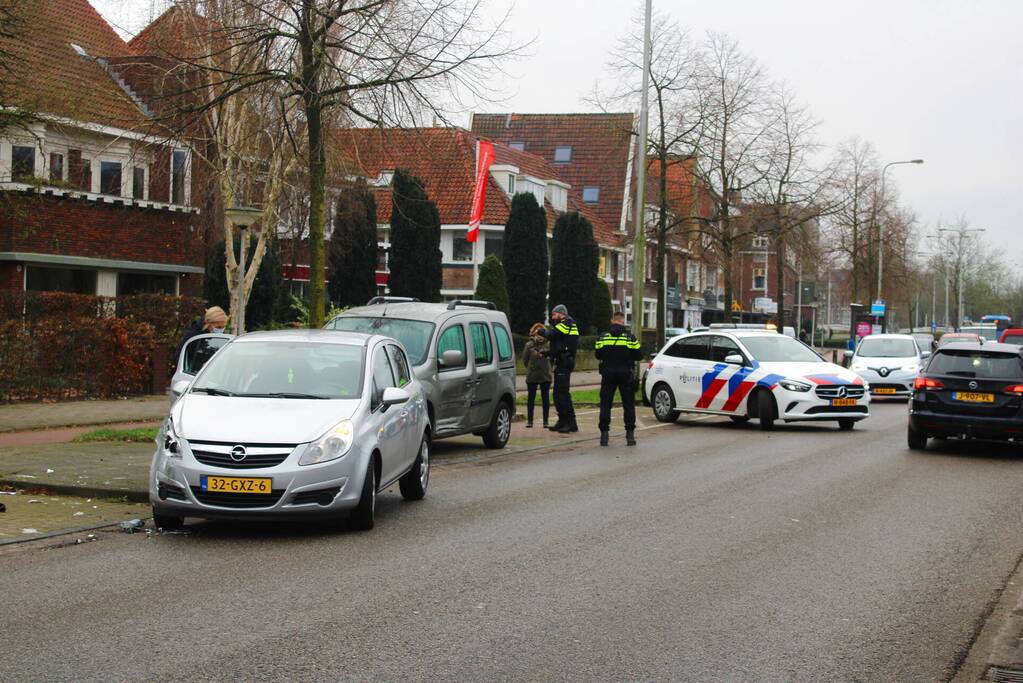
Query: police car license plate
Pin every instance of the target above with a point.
(843, 402)
(972, 397)
(236, 484)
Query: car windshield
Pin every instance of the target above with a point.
(989, 333)
(887, 348)
(415, 335)
(1014, 339)
(957, 337)
(284, 369)
(976, 363)
(770, 348)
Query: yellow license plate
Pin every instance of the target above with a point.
(884, 390)
(973, 397)
(843, 402)
(236, 484)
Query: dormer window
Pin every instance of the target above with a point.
(23, 163)
(518, 144)
(760, 242)
(511, 184)
(562, 155)
(384, 179)
(110, 178)
(591, 194)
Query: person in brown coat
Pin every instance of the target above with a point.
(536, 359)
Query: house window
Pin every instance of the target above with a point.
(562, 155)
(461, 248)
(382, 259)
(602, 266)
(56, 167)
(179, 162)
(145, 283)
(760, 242)
(138, 182)
(591, 194)
(110, 178)
(511, 183)
(493, 244)
(60, 280)
(759, 279)
(23, 163)
(518, 144)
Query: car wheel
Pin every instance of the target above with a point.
(739, 419)
(917, 440)
(846, 425)
(364, 515)
(167, 522)
(499, 431)
(663, 402)
(766, 412)
(413, 484)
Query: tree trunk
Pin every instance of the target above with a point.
(779, 254)
(312, 64)
(662, 239)
(726, 261)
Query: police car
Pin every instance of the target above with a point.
(757, 374)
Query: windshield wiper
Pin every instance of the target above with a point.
(213, 391)
(283, 394)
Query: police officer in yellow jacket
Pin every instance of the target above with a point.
(564, 338)
(618, 350)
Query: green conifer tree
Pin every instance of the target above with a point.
(525, 262)
(352, 252)
(602, 306)
(415, 258)
(574, 261)
(491, 285)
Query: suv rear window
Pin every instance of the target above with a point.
(979, 364)
(414, 335)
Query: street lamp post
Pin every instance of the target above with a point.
(880, 236)
(241, 217)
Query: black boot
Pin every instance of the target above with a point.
(630, 437)
(529, 424)
(604, 436)
(567, 428)
(556, 426)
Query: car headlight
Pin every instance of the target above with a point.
(331, 446)
(793, 385)
(858, 368)
(168, 440)
(911, 368)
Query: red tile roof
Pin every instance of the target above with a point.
(600, 154)
(49, 76)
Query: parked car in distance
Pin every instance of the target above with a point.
(1012, 335)
(925, 340)
(744, 374)
(971, 391)
(293, 424)
(950, 337)
(889, 363)
(196, 352)
(462, 354)
(987, 332)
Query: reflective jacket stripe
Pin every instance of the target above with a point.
(617, 341)
(565, 329)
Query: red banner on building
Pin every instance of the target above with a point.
(485, 157)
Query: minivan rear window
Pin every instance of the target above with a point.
(415, 335)
(976, 363)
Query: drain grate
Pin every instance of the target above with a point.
(1002, 674)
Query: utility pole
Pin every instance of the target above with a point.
(639, 242)
(880, 227)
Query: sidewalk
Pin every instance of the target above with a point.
(20, 417)
(119, 470)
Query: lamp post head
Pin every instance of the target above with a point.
(916, 161)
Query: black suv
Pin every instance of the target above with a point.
(968, 390)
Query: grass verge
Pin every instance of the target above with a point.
(137, 435)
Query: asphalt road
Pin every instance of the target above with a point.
(711, 552)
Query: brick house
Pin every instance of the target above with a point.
(445, 160)
(595, 154)
(94, 197)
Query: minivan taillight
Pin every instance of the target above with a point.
(1015, 389)
(927, 383)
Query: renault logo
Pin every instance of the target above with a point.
(883, 372)
(974, 385)
(238, 453)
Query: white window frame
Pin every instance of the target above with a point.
(558, 149)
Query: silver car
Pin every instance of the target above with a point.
(889, 363)
(292, 424)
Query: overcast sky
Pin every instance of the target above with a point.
(940, 80)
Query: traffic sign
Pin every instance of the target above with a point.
(877, 308)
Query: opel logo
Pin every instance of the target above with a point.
(842, 392)
(238, 453)
(974, 385)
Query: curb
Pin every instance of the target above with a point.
(66, 532)
(133, 495)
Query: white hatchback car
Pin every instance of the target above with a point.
(889, 363)
(753, 374)
(293, 424)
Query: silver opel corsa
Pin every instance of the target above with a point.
(293, 424)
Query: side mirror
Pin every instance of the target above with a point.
(452, 358)
(179, 387)
(847, 354)
(925, 354)
(394, 395)
(734, 359)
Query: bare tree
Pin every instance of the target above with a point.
(365, 61)
(849, 226)
(673, 79)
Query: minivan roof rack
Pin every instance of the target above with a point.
(391, 300)
(471, 302)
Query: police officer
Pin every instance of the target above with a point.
(564, 339)
(618, 351)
